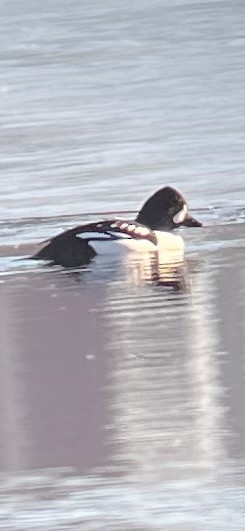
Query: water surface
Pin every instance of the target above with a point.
(122, 393)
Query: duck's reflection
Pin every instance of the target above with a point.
(165, 270)
(168, 417)
(154, 350)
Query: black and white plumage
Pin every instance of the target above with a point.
(165, 210)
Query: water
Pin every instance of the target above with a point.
(122, 395)
(102, 103)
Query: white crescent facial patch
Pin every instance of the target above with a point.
(180, 216)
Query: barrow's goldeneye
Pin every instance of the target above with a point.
(151, 230)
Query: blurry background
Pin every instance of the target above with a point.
(103, 101)
(122, 404)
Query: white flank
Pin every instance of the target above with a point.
(136, 246)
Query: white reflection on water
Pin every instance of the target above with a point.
(56, 500)
(203, 368)
(166, 378)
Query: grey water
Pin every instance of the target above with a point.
(122, 393)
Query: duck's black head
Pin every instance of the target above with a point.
(166, 209)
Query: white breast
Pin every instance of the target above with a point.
(169, 241)
(166, 242)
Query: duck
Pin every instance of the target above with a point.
(151, 231)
